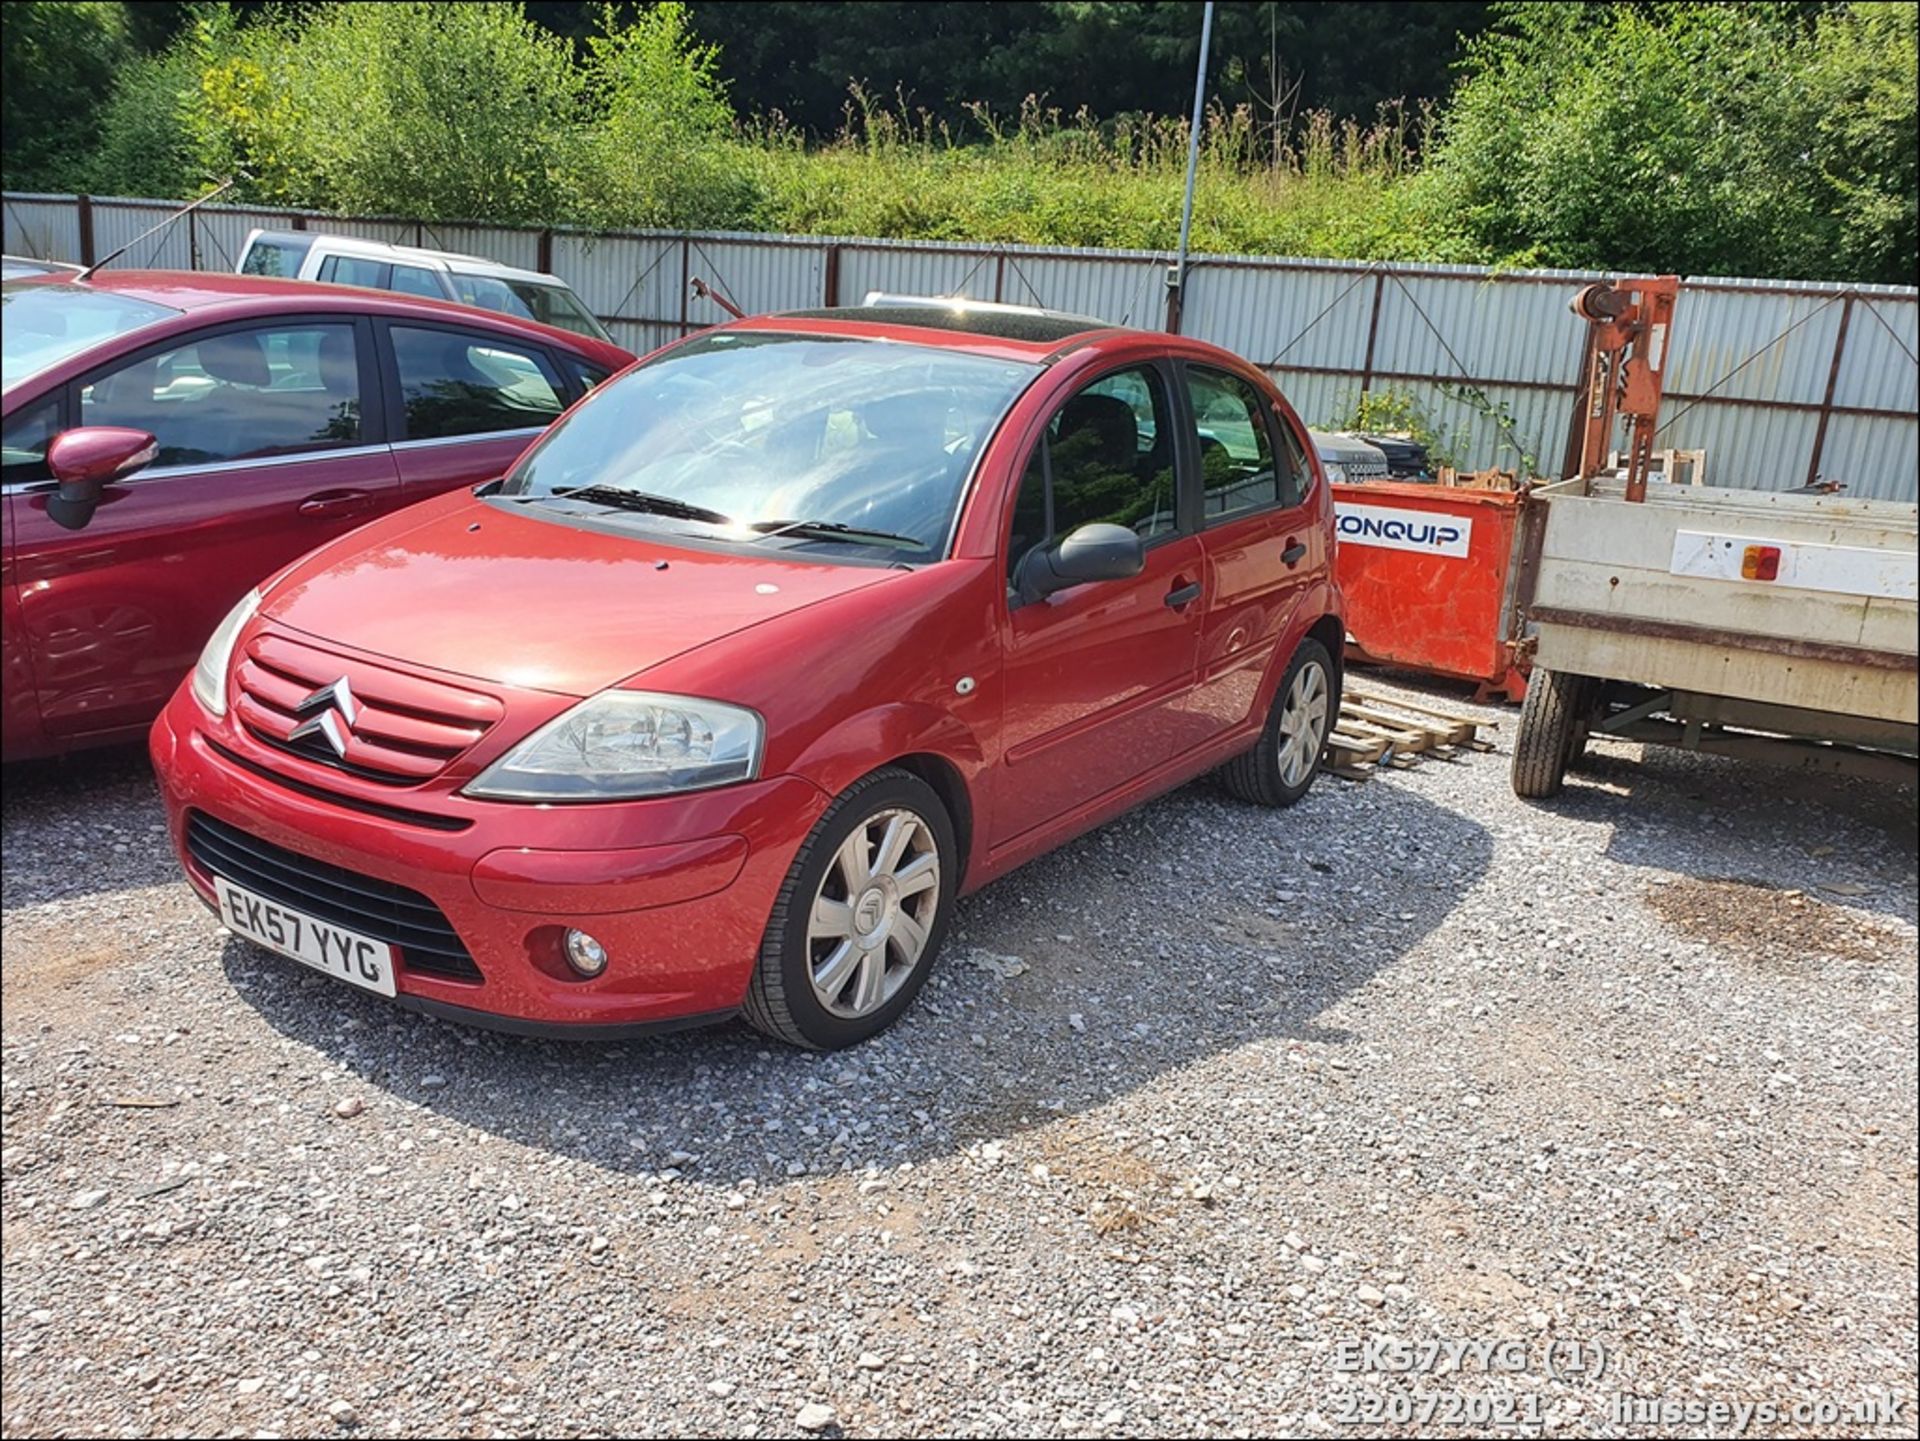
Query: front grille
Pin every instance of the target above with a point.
(381, 909)
(403, 729)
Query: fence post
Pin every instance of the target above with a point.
(999, 277)
(193, 240)
(832, 296)
(1176, 299)
(1826, 403)
(84, 213)
(686, 276)
(546, 251)
(1373, 331)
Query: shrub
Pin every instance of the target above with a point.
(1708, 139)
(446, 112)
(146, 142)
(656, 152)
(57, 65)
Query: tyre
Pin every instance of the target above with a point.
(1553, 725)
(859, 917)
(1281, 766)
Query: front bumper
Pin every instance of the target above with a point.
(677, 888)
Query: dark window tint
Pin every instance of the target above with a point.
(236, 396)
(585, 375)
(454, 384)
(1109, 454)
(417, 280)
(1237, 470)
(25, 440)
(355, 270)
(1294, 472)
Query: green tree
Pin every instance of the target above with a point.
(146, 143)
(1761, 139)
(57, 65)
(448, 112)
(657, 152)
(1865, 139)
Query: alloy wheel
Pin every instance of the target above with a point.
(1303, 724)
(871, 916)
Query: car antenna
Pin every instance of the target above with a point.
(222, 188)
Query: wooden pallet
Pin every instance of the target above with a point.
(1376, 729)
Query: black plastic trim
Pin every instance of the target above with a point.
(385, 910)
(424, 819)
(560, 1030)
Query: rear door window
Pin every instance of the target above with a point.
(238, 395)
(1237, 469)
(454, 383)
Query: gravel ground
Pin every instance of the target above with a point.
(1191, 1107)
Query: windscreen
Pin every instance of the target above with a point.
(45, 322)
(765, 432)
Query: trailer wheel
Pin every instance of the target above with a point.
(1553, 724)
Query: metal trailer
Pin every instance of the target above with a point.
(1777, 626)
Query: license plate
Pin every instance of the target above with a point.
(345, 955)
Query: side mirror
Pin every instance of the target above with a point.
(84, 460)
(1092, 552)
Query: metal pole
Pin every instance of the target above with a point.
(1178, 284)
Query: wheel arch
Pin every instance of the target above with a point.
(933, 745)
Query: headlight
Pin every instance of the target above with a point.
(1336, 473)
(210, 673)
(624, 743)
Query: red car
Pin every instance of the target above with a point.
(774, 646)
(171, 439)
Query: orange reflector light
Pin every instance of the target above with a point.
(1761, 562)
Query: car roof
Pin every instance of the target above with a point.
(216, 294)
(387, 250)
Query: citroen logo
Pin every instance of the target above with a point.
(336, 712)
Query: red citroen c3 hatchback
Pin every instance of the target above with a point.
(173, 438)
(772, 647)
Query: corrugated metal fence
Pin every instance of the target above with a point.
(1778, 381)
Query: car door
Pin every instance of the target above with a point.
(1097, 675)
(268, 446)
(466, 402)
(1262, 548)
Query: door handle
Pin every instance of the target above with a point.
(336, 502)
(1294, 553)
(1184, 594)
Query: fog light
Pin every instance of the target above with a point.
(585, 954)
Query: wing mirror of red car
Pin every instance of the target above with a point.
(1098, 551)
(84, 460)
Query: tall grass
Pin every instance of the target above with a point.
(1320, 187)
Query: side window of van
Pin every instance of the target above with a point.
(417, 280)
(354, 270)
(275, 257)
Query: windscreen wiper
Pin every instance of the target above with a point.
(834, 530)
(639, 500)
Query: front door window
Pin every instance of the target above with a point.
(241, 395)
(1107, 455)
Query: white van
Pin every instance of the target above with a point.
(438, 274)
